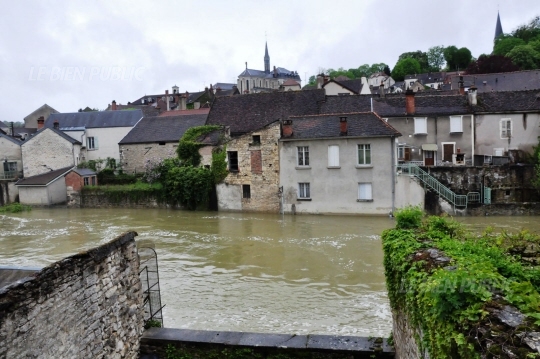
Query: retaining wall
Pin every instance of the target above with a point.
(88, 305)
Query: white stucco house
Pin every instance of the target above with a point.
(98, 131)
(45, 189)
(337, 164)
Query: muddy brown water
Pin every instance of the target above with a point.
(237, 271)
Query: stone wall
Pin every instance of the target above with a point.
(258, 165)
(88, 305)
(403, 335)
(135, 156)
(95, 199)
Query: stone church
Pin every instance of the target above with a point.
(254, 81)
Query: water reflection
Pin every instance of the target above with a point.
(252, 272)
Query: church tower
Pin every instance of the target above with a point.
(498, 28)
(266, 60)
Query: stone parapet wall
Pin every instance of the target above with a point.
(89, 305)
(100, 200)
(404, 337)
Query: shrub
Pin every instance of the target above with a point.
(14, 208)
(409, 217)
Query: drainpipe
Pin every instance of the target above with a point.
(393, 168)
(472, 138)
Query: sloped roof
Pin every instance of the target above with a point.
(201, 111)
(45, 106)
(498, 27)
(11, 139)
(502, 81)
(280, 72)
(43, 179)
(291, 82)
(3, 125)
(58, 132)
(508, 101)
(162, 129)
(364, 124)
(95, 119)
(224, 86)
(352, 85)
(84, 171)
(247, 113)
(147, 110)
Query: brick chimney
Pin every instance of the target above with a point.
(461, 86)
(381, 89)
(410, 107)
(343, 126)
(40, 122)
(56, 125)
(286, 128)
(326, 78)
(177, 101)
(167, 99)
(113, 105)
(472, 96)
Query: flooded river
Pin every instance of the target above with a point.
(242, 272)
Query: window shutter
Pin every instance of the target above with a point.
(333, 156)
(456, 124)
(96, 146)
(364, 191)
(420, 125)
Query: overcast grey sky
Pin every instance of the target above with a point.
(74, 54)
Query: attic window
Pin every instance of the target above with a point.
(161, 143)
(256, 139)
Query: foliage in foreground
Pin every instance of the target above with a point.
(453, 303)
(14, 208)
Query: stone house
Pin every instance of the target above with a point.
(31, 121)
(506, 123)
(253, 151)
(45, 189)
(10, 157)
(156, 138)
(48, 150)
(99, 132)
(337, 164)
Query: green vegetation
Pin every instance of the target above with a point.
(152, 323)
(14, 208)
(406, 66)
(136, 192)
(450, 283)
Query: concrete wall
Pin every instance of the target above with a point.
(46, 151)
(11, 152)
(108, 138)
(409, 192)
(438, 132)
(135, 156)
(263, 180)
(525, 132)
(54, 193)
(88, 305)
(335, 190)
(8, 192)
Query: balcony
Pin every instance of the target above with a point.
(10, 175)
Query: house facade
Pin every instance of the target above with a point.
(99, 132)
(44, 111)
(346, 87)
(48, 150)
(337, 164)
(10, 157)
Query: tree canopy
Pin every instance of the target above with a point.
(435, 56)
(487, 64)
(525, 57)
(505, 43)
(406, 66)
(457, 59)
(419, 56)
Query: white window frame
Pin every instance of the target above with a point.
(365, 192)
(333, 156)
(365, 161)
(418, 128)
(456, 124)
(506, 128)
(92, 143)
(301, 159)
(304, 191)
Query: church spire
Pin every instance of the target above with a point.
(266, 59)
(498, 28)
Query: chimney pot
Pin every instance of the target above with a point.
(40, 122)
(113, 105)
(343, 126)
(287, 128)
(410, 106)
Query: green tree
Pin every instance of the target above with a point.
(487, 64)
(406, 66)
(387, 70)
(457, 59)
(505, 43)
(525, 57)
(435, 57)
(312, 80)
(529, 31)
(419, 56)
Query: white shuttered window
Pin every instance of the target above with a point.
(456, 124)
(420, 125)
(333, 156)
(364, 192)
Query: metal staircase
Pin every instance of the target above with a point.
(457, 200)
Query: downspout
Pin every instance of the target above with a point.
(393, 168)
(472, 138)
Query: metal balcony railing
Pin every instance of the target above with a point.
(410, 169)
(9, 175)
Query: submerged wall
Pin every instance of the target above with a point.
(89, 305)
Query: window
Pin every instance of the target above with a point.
(233, 160)
(92, 143)
(404, 153)
(86, 182)
(420, 125)
(456, 124)
(93, 180)
(333, 156)
(498, 151)
(161, 143)
(364, 192)
(303, 190)
(506, 128)
(364, 155)
(303, 156)
(246, 191)
(256, 139)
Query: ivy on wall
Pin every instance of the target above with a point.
(452, 283)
